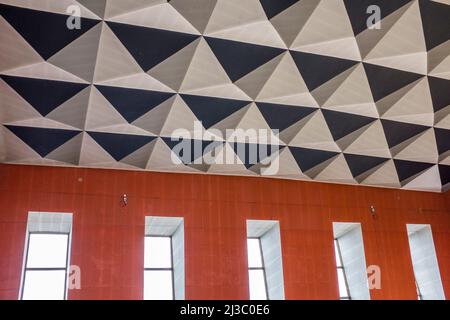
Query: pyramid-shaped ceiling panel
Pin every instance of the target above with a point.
(278, 90)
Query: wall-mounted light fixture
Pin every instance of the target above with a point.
(124, 200)
(373, 211)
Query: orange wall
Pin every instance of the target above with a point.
(107, 240)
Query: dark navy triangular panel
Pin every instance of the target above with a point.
(46, 32)
(210, 110)
(359, 164)
(310, 158)
(150, 46)
(239, 58)
(408, 169)
(274, 7)
(442, 140)
(444, 172)
(357, 11)
(309, 65)
(342, 124)
(44, 95)
(252, 153)
(133, 103)
(42, 140)
(397, 132)
(436, 22)
(440, 92)
(280, 117)
(120, 145)
(383, 81)
(189, 150)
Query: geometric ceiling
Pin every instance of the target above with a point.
(342, 103)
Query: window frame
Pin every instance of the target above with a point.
(341, 262)
(171, 269)
(26, 268)
(263, 266)
(419, 293)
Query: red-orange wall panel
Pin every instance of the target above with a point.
(108, 242)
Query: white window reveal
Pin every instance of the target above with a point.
(350, 261)
(425, 263)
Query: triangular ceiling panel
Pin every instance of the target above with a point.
(252, 154)
(148, 54)
(409, 170)
(444, 172)
(292, 20)
(44, 95)
(342, 124)
(80, 56)
(331, 67)
(120, 145)
(16, 51)
(274, 7)
(113, 59)
(97, 7)
(286, 85)
(398, 132)
(357, 11)
(311, 158)
(360, 165)
(211, 110)
(43, 140)
(239, 58)
(198, 13)
(133, 103)
(52, 34)
(411, 54)
(436, 24)
(442, 140)
(280, 117)
(438, 87)
(385, 81)
(328, 32)
(335, 99)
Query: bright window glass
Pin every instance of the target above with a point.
(158, 252)
(44, 285)
(254, 253)
(257, 281)
(47, 250)
(158, 285)
(257, 285)
(46, 267)
(158, 268)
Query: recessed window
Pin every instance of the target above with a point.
(158, 268)
(350, 261)
(425, 264)
(257, 275)
(265, 268)
(164, 258)
(46, 259)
